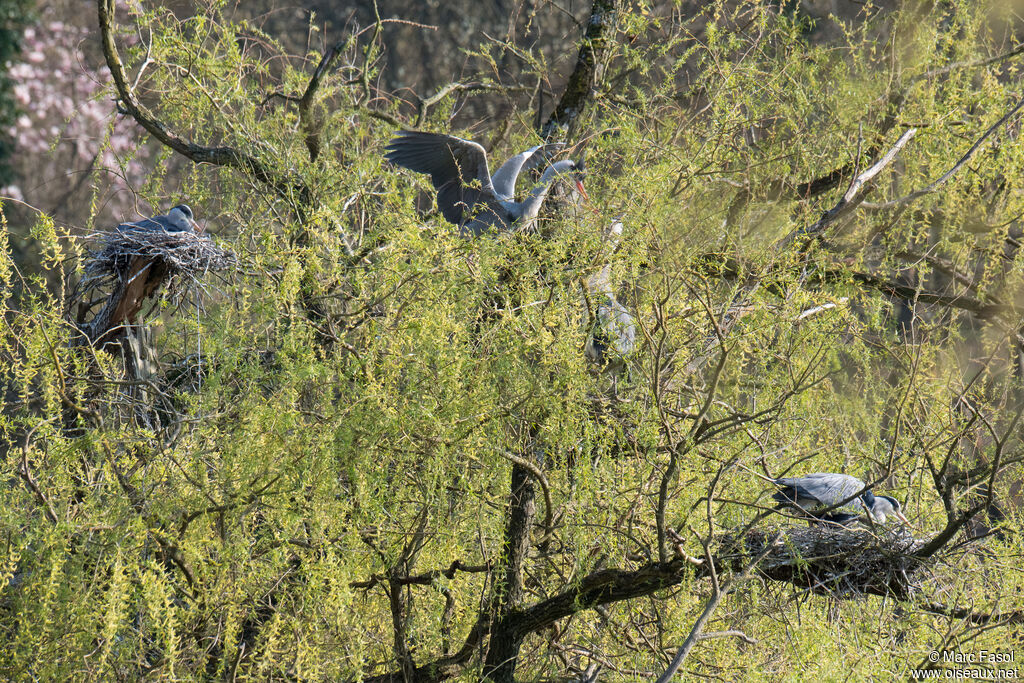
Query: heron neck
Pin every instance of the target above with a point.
(531, 205)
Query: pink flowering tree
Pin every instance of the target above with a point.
(74, 158)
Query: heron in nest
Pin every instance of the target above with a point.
(178, 219)
(836, 498)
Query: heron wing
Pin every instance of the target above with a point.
(161, 222)
(457, 169)
(504, 179)
(827, 488)
(143, 224)
(489, 214)
(792, 491)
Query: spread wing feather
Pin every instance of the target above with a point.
(457, 169)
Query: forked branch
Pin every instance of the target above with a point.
(287, 185)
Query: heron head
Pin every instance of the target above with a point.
(897, 509)
(183, 213)
(887, 505)
(569, 168)
(577, 172)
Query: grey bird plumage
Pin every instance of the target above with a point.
(613, 335)
(812, 494)
(178, 219)
(504, 179)
(466, 194)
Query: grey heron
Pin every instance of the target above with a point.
(178, 219)
(813, 493)
(466, 194)
(613, 336)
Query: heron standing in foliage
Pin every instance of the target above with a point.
(613, 335)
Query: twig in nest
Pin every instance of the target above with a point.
(136, 261)
(183, 253)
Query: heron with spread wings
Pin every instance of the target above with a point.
(467, 194)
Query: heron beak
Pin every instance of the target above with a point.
(579, 186)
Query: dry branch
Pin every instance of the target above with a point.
(853, 197)
(697, 632)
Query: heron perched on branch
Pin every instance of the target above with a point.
(831, 497)
(467, 195)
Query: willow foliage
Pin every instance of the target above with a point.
(334, 423)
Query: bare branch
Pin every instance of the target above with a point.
(709, 608)
(917, 194)
(969, 64)
(853, 197)
(287, 185)
(310, 125)
(424, 104)
(729, 634)
(981, 618)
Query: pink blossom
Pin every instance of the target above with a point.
(57, 89)
(12, 191)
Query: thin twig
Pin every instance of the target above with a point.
(709, 608)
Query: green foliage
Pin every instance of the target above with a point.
(353, 407)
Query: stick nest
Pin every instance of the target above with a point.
(839, 561)
(182, 253)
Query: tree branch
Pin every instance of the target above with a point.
(928, 189)
(503, 650)
(709, 608)
(853, 197)
(311, 126)
(286, 185)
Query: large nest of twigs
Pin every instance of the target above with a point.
(182, 253)
(838, 561)
(131, 264)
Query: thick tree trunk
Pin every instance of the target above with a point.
(500, 664)
(588, 71)
(143, 277)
